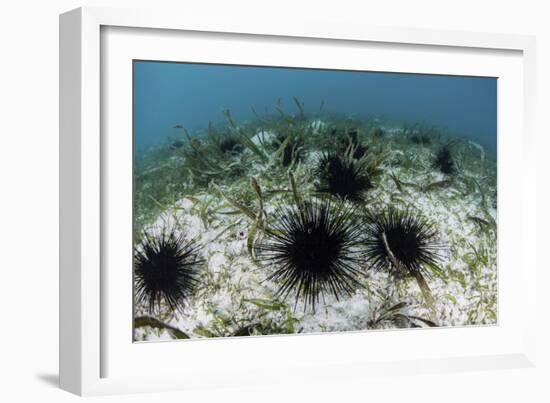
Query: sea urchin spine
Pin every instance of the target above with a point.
(166, 270)
(345, 178)
(405, 244)
(444, 161)
(401, 242)
(230, 145)
(315, 250)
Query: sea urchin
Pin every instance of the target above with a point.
(351, 145)
(315, 250)
(294, 150)
(402, 242)
(230, 145)
(343, 177)
(166, 269)
(444, 161)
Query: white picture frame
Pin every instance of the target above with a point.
(90, 344)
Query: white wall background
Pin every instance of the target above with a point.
(29, 201)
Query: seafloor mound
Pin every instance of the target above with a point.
(244, 192)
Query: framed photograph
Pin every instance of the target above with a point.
(236, 197)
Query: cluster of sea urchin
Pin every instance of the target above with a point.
(315, 250)
(401, 242)
(345, 178)
(165, 269)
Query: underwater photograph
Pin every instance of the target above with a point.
(279, 200)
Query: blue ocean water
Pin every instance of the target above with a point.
(192, 95)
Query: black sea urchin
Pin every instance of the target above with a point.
(294, 150)
(292, 154)
(351, 145)
(231, 145)
(420, 139)
(166, 270)
(444, 161)
(401, 242)
(343, 177)
(315, 250)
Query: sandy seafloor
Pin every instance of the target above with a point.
(235, 296)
